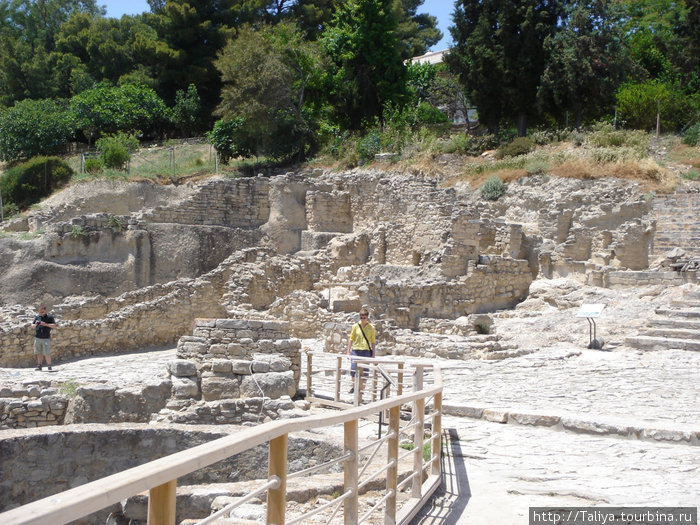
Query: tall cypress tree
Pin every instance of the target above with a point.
(499, 56)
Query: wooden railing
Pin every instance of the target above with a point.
(401, 500)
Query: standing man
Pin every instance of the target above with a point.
(362, 342)
(42, 340)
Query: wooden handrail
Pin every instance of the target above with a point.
(160, 476)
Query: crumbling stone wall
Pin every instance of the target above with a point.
(31, 406)
(234, 371)
(498, 283)
(236, 203)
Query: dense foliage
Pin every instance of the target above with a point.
(29, 182)
(287, 77)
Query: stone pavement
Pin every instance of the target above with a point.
(494, 472)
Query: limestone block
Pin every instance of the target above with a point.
(219, 387)
(185, 387)
(240, 367)
(273, 384)
(280, 364)
(261, 367)
(221, 366)
(182, 368)
(218, 350)
(235, 349)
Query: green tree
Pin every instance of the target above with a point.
(638, 104)
(586, 62)
(416, 31)
(34, 127)
(366, 72)
(267, 72)
(119, 51)
(195, 32)
(27, 42)
(108, 109)
(186, 113)
(499, 55)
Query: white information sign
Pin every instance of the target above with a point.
(590, 310)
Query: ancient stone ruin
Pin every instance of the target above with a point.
(237, 272)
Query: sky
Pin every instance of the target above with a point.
(442, 9)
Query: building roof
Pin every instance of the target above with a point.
(432, 57)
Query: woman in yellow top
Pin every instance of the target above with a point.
(362, 341)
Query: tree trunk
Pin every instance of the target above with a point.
(522, 125)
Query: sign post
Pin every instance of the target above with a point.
(591, 312)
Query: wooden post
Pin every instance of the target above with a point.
(436, 449)
(374, 384)
(338, 373)
(399, 390)
(350, 505)
(392, 473)
(419, 418)
(161, 504)
(658, 118)
(277, 466)
(309, 368)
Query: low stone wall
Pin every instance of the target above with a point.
(617, 279)
(31, 406)
(37, 463)
(497, 283)
(234, 371)
(158, 322)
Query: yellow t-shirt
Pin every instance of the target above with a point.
(358, 341)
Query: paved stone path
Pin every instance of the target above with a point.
(494, 472)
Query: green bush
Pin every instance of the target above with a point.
(638, 104)
(604, 135)
(30, 181)
(230, 140)
(426, 113)
(369, 145)
(115, 148)
(691, 137)
(464, 144)
(519, 146)
(93, 165)
(493, 188)
(34, 127)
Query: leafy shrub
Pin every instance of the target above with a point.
(426, 113)
(604, 135)
(93, 165)
(464, 144)
(115, 223)
(493, 188)
(115, 148)
(691, 137)
(77, 232)
(230, 140)
(519, 146)
(34, 127)
(128, 107)
(29, 182)
(369, 145)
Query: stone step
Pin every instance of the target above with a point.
(670, 312)
(673, 333)
(644, 342)
(680, 324)
(686, 303)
